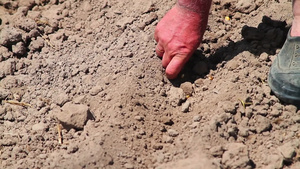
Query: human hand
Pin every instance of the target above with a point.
(178, 35)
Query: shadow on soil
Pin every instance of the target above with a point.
(266, 38)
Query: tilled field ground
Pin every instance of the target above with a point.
(82, 87)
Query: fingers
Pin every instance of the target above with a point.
(175, 65)
(159, 50)
(166, 59)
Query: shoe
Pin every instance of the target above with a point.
(284, 76)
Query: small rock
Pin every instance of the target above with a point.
(185, 106)
(61, 98)
(43, 156)
(4, 93)
(168, 139)
(73, 116)
(173, 133)
(244, 132)
(296, 118)
(264, 57)
(79, 99)
(95, 90)
(275, 113)
(187, 88)
(217, 151)
(2, 112)
(274, 161)
(199, 82)
(40, 104)
(10, 36)
(7, 142)
(8, 67)
(86, 6)
(157, 147)
(249, 112)
(263, 124)
(176, 96)
(139, 118)
(72, 149)
(228, 106)
(236, 156)
(26, 24)
(19, 49)
(28, 3)
(245, 6)
(287, 151)
(232, 65)
(9, 116)
(222, 118)
(290, 108)
(261, 110)
(197, 118)
(36, 45)
(39, 127)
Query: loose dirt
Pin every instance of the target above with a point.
(82, 87)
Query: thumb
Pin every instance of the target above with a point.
(175, 65)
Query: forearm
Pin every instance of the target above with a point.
(199, 6)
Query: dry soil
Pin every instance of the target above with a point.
(82, 87)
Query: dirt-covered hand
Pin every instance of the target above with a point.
(178, 35)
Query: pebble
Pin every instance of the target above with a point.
(176, 96)
(232, 65)
(185, 106)
(197, 118)
(19, 49)
(245, 6)
(61, 98)
(263, 124)
(9, 116)
(73, 115)
(72, 149)
(43, 156)
(198, 82)
(187, 88)
(167, 139)
(95, 90)
(236, 156)
(275, 113)
(296, 118)
(264, 57)
(287, 151)
(217, 151)
(228, 106)
(39, 127)
(244, 132)
(36, 45)
(2, 111)
(173, 133)
(290, 108)
(10, 36)
(139, 118)
(157, 147)
(274, 161)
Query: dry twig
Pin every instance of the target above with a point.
(23, 104)
(60, 139)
